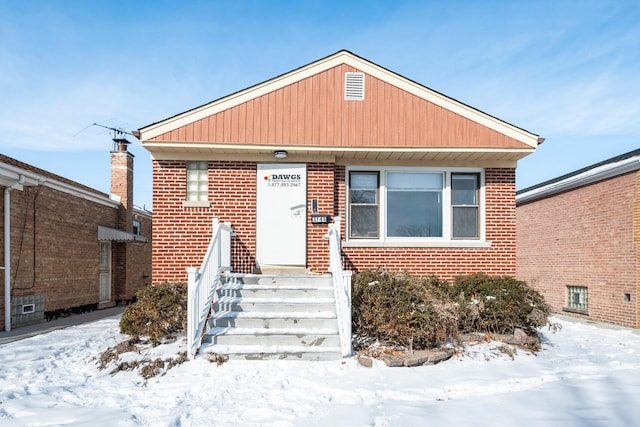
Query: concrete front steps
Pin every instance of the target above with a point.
(276, 316)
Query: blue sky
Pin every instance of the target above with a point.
(566, 70)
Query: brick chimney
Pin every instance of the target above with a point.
(122, 184)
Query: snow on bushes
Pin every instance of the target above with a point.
(498, 304)
(420, 313)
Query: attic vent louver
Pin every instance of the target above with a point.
(354, 86)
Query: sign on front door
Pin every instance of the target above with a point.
(281, 229)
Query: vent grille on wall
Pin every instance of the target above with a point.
(354, 86)
(27, 309)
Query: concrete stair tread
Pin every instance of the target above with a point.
(274, 315)
(243, 349)
(276, 276)
(271, 331)
(273, 287)
(253, 300)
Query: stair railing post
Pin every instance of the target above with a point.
(192, 312)
(225, 247)
(347, 349)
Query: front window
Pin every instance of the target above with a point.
(197, 181)
(363, 204)
(464, 205)
(415, 205)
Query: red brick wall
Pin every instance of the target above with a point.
(320, 185)
(138, 256)
(585, 237)
(55, 250)
(181, 234)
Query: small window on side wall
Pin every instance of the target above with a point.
(197, 181)
(136, 227)
(577, 298)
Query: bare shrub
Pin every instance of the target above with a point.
(420, 313)
(216, 358)
(158, 312)
(113, 353)
(397, 308)
(498, 304)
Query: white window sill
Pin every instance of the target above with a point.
(415, 244)
(196, 204)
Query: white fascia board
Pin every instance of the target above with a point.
(32, 179)
(205, 146)
(588, 177)
(80, 192)
(10, 174)
(394, 79)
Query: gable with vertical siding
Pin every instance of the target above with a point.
(306, 108)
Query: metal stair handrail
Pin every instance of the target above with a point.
(203, 283)
(341, 287)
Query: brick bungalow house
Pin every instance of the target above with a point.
(578, 240)
(422, 182)
(67, 247)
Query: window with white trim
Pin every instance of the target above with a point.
(464, 205)
(197, 181)
(416, 205)
(364, 205)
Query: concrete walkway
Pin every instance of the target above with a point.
(60, 323)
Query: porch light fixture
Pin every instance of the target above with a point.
(280, 154)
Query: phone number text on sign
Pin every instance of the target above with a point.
(284, 184)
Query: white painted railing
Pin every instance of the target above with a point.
(203, 283)
(341, 287)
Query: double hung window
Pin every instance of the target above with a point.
(364, 205)
(464, 206)
(414, 204)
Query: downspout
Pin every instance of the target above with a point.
(7, 251)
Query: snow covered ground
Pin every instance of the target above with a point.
(586, 375)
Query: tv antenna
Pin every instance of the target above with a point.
(119, 135)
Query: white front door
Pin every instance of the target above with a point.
(281, 229)
(105, 272)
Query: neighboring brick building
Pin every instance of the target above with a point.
(578, 238)
(421, 181)
(71, 248)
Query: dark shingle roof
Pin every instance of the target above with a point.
(583, 170)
